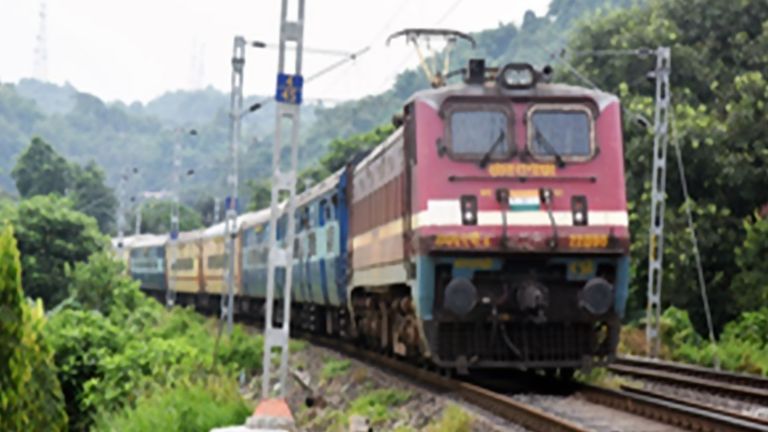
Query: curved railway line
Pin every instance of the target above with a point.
(672, 411)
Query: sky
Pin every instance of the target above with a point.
(133, 50)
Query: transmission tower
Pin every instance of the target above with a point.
(41, 45)
(287, 118)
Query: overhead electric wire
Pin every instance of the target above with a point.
(323, 51)
(448, 12)
(372, 41)
(398, 69)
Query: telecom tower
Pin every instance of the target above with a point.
(41, 45)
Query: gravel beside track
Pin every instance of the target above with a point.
(533, 412)
(592, 416)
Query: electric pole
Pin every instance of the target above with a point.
(170, 293)
(235, 112)
(658, 200)
(287, 118)
(121, 192)
(121, 212)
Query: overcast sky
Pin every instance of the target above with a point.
(138, 49)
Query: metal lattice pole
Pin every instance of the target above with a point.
(287, 117)
(236, 108)
(658, 198)
(170, 294)
(121, 213)
(139, 211)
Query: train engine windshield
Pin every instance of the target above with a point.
(478, 132)
(557, 131)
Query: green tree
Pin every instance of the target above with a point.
(718, 86)
(100, 284)
(41, 171)
(30, 394)
(92, 196)
(752, 281)
(261, 194)
(52, 235)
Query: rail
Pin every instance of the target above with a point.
(741, 386)
(662, 408)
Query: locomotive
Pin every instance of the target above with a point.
(488, 231)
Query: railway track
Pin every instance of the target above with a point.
(744, 387)
(664, 409)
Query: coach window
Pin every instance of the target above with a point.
(328, 213)
(565, 131)
(476, 130)
(330, 240)
(312, 244)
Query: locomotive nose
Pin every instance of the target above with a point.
(597, 296)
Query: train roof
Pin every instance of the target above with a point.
(394, 136)
(149, 240)
(327, 184)
(250, 219)
(133, 241)
(190, 236)
(436, 97)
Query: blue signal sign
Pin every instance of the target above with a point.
(289, 88)
(228, 203)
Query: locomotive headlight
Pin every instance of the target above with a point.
(596, 297)
(579, 210)
(468, 210)
(460, 296)
(517, 76)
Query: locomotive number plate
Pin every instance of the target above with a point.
(588, 241)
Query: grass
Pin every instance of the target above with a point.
(334, 368)
(602, 378)
(199, 406)
(453, 419)
(377, 405)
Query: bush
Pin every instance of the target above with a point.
(128, 348)
(30, 394)
(196, 406)
(99, 284)
(82, 341)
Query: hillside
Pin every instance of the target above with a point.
(118, 136)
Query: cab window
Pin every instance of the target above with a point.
(477, 131)
(560, 131)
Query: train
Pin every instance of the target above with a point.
(489, 231)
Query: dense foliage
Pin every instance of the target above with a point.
(30, 395)
(743, 344)
(51, 235)
(121, 355)
(719, 92)
(40, 170)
